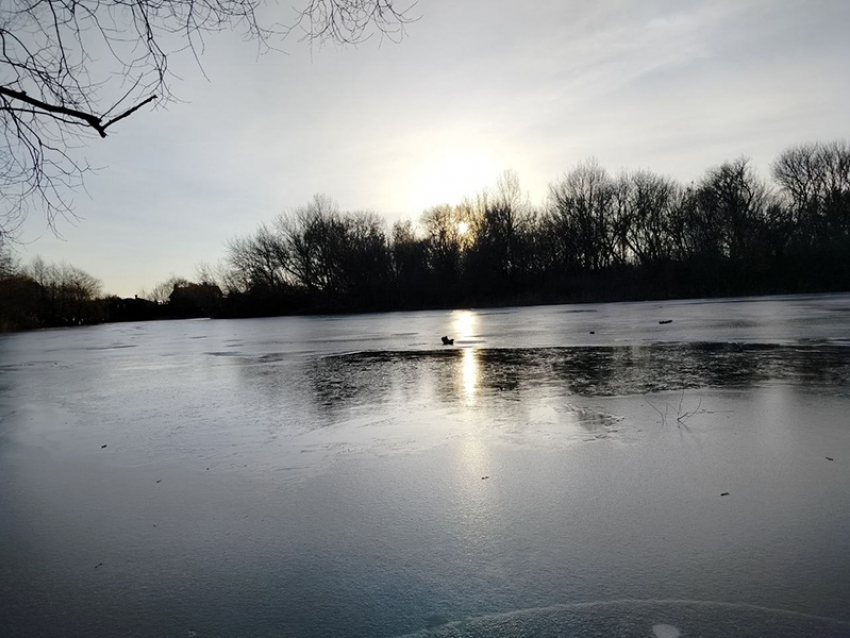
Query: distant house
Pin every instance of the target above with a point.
(136, 309)
(195, 300)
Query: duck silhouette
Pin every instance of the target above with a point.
(447, 341)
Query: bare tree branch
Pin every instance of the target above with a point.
(67, 65)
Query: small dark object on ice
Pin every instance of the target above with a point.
(484, 478)
(829, 458)
(447, 341)
(98, 565)
(103, 446)
(592, 332)
(666, 321)
(725, 494)
(159, 480)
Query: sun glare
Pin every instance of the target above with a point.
(462, 228)
(448, 175)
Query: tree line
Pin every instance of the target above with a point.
(50, 295)
(45, 295)
(597, 237)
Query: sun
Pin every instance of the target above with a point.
(462, 228)
(447, 175)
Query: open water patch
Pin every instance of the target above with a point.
(601, 371)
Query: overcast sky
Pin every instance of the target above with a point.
(476, 87)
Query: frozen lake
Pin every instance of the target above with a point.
(562, 470)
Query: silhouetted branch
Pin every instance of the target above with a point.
(127, 113)
(56, 84)
(350, 21)
(77, 116)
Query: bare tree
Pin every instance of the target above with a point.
(7, 261)
(500, 249)
(65, 292)
(305, 238)
(73, 69)
(733, 201)
(352, 21)
(644, 202)
(442, 226)
(581, 205)
(814, 180)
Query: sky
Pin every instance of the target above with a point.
(474, 88)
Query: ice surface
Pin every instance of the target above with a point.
(666, 631)
(633, 619)
(322, 476)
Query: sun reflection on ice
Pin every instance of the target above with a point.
(469, 373)
(463, 324)
(463, 329)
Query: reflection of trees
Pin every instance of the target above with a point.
(490, 380)
(505, 370)
(340, 383)
(586, 370)
(830, 366)
(724, 364)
